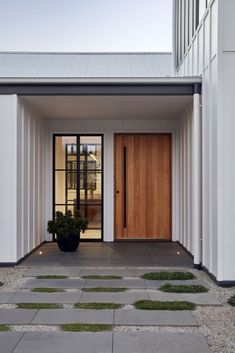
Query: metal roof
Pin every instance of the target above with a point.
(84, 65)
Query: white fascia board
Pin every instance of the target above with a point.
(59, 80)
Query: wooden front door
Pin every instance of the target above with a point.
(143, 186)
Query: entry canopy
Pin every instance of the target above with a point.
(92, 74)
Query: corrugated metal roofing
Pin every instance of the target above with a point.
(85, 65)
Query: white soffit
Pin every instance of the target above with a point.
(109, 107)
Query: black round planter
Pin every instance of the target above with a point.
(69, 243)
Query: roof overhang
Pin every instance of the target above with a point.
(169, 86)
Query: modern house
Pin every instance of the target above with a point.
(140, 143)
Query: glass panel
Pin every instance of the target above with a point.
(94, 215)
(91, 186)
(60, 208)
(60, 194)
(90, 152)
(91, 234)
(65, 146)
(90, 182)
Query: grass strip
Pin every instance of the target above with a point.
(101, 277)
(98, 306)
(51, 277)
(104, 289)
(170, 276)
(4, 328)
(231, 300)
(39, 306)
(86, 327)
(47, 290)
(164, 305)
(194, 288)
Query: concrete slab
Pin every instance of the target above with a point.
(159, 343)
(112, 271)
(16, 316)
(59, 298)
(63, 316)
(54, 283)
(70, 272)
(157, 284)
(135, 283)
(197, 298)
(8, 341)
(62, 342)
(154, 318)
(118, 298)
(5, 297)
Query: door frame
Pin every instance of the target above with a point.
(77, 135)
(171, 183)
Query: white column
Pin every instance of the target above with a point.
(8, 178)
(196, 170)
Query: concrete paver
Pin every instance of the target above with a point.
(59, 298)
(54, 283)
(115, 272)
(71, 272)
(17, 316)
(65, 342)
(127, 283)
(63, 316)
(154, 318)
(5, 297)
(159, 343)
(8, 341)
(118, 298)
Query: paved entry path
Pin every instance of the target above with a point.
(130, 254)
(131, 330)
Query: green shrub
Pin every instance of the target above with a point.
(86, 327)
(164, 305)
(194, 288)
(169, 276)
(231, 300)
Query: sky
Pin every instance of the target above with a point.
(86, 25)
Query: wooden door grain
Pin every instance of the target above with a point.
(143, 186)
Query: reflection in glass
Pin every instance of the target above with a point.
(78, 179)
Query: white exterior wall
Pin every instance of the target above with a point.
(202, 59)
(30, 179)
(226, 140)
(211, 54)
(108, 128)
(21, 179)
(8, 177)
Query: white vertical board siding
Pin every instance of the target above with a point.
(185, 180)
(8, 177)
(226, 141)
(108, 129)
(30, 180)
(204, 61)
(227, 167)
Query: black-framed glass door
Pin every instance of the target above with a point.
(78, 179)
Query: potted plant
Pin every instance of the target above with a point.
(67, 229)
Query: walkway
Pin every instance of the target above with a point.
(115, 254)
(128, 328)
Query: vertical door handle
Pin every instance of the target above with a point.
(124, 187)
